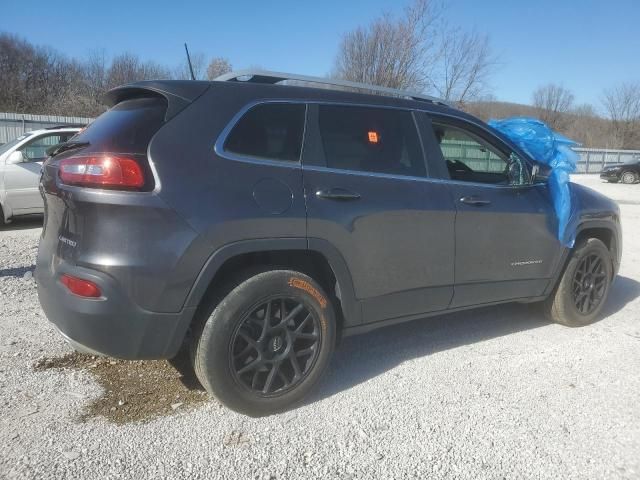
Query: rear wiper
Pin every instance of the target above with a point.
(65, 146)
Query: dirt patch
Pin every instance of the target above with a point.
(134, 391)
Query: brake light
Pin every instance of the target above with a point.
(108, 171)
(80, 287)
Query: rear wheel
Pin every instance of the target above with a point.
(629, 177)
(265, 344)
(584, 286)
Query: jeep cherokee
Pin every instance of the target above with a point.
(260, 222)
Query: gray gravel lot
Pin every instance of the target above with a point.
(492, 393)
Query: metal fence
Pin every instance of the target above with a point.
(592, 160)
(13, 125)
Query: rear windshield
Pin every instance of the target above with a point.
(125, 128)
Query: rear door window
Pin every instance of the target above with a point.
(370, 139)
(270, 131)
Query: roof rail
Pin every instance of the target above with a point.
(265, 76)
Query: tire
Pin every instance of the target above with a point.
(571, 302)
(629, 177)
(245, 361)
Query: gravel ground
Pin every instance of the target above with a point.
(493, 393)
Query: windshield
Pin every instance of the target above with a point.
(9, 145)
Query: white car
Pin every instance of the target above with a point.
(20, 163)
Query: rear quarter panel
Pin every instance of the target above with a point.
(217, 196)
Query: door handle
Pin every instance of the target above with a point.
(475, 201)
(337, 194)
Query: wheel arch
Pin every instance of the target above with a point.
(318, 259)
(605, 231)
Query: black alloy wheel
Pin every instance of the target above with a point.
(264, 341)
(275, 346)
(589, 283)
(582, 290)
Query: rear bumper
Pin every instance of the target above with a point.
(111, 325)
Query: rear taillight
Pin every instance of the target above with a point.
(80, 287)
(106, 171)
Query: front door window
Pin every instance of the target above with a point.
(470, 158)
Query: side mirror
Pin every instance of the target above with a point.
(534, 172)
(16, 157)
(540, 173)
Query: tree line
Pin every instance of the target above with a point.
(416, 50)
(40, 80)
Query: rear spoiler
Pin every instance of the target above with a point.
(178, 93)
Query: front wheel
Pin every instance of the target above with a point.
(266, 343)
(584, 286)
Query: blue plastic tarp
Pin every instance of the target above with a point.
(550, 148)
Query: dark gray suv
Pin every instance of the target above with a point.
(261, 222)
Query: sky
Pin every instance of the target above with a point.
(585, 45)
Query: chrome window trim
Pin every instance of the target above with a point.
(219, 144)
(525, 160)
(219, 150)
(315, 168)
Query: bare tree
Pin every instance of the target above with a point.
(390, 52)
(465, 64)
(418, 51)
(585, 126)
(622, 104)
(154, 71)
(198, 63)
(552, 102)
(128, 68)
(218, 66)
(31, 77)
(41, 80)
(95, 73)
(581, 123)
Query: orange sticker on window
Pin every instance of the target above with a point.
(373, 137)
